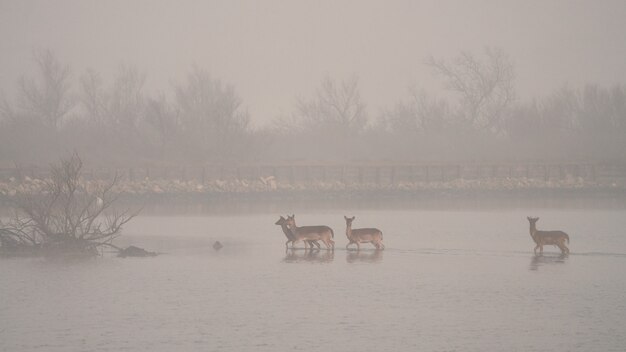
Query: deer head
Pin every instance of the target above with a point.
(348, 220)
(280, 221)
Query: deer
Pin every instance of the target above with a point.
(290, 237)
(541, 238)
(357, 236)
(311, 233)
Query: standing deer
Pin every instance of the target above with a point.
(311, 233)
(374, 236)
(290, 237)
(541, 238)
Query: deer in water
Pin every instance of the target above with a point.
(541, 238)
(290, 237)
(371, 235)
(311, 233)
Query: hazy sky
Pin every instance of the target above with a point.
(274, 51)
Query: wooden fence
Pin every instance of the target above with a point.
(380, 174)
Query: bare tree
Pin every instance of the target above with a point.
(418, 114)
(92, 97)
(161, 122)
(211, 117)
(335, 107)
(46, 98)
(485, 86)
(126, 100)
(64, 214)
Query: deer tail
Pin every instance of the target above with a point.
(567, 237)
(332, 234)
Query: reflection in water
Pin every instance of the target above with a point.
(309, 255)
(540, 260)
(365, 256)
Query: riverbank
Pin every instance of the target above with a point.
(270, 188)
(263, 195)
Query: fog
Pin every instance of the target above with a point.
(552, 67)
(155, 155)
(275, 51)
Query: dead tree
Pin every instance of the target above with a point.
(64, 214)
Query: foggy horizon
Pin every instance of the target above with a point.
(312, 175)
(275, 52)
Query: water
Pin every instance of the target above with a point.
(462, 280)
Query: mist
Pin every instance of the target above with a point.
(312, 175)
(275, 57)
(276, 51)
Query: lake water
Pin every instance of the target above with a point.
(449, 280)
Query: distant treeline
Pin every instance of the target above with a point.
(53, 113)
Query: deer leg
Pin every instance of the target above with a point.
(358, 246)
(316, 244)
(287, 244)
(535, 250)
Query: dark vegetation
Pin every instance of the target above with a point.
(203, 121)
(65, 217)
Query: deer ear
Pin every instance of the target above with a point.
(345, 217)
(352, 218)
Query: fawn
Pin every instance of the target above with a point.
(290, 237)
(541, 238)
(374, 236)
(311, 233)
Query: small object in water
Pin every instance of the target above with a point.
(217, 245)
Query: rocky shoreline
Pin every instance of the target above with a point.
(269, 186)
